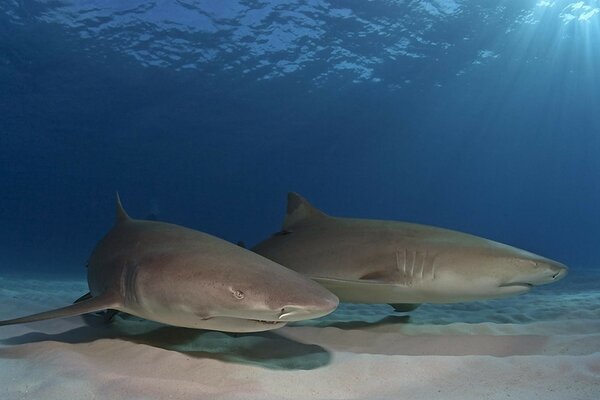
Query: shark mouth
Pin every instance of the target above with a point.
(274, 324)
(262, 321)
(259, 321)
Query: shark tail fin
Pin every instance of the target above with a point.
(120, 215)
(93, 304)
(299, 210)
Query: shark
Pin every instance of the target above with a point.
(400, 263)
(183, 277)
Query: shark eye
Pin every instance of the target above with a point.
(238, 294)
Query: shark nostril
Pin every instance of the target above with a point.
(559, 273)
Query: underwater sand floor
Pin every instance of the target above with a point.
(545, 344)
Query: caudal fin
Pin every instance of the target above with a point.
(93, 304)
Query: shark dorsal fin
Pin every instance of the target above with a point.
(298, 211)
(120, 215)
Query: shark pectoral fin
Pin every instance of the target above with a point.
(108, 314)
(358, 291)
(86, 296)
(90, 305)
(404, 307)
(342, 282)
(376, 276)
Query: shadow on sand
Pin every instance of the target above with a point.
(265, 349)
(390, 320)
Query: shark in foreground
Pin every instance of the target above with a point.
(399, 263)
(182, 277)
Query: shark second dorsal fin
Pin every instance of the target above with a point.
(299, 211)
(120, 215)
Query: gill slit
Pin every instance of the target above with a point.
(128, 283)
(433, 267)
(423, 264)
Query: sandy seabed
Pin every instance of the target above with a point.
(545, 344)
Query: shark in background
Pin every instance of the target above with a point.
(399, 263)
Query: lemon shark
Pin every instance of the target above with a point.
(183, 277)
(400, 263)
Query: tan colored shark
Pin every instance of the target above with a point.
(403, 264)
(182, 277)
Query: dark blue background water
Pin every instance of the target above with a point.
(476, 116)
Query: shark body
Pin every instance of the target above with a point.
(183, 277)
(403, 264)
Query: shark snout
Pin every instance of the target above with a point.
(305, 300)
(323, 307)
(540, 272)
(556, 271)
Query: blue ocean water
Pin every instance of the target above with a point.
(476, 116)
